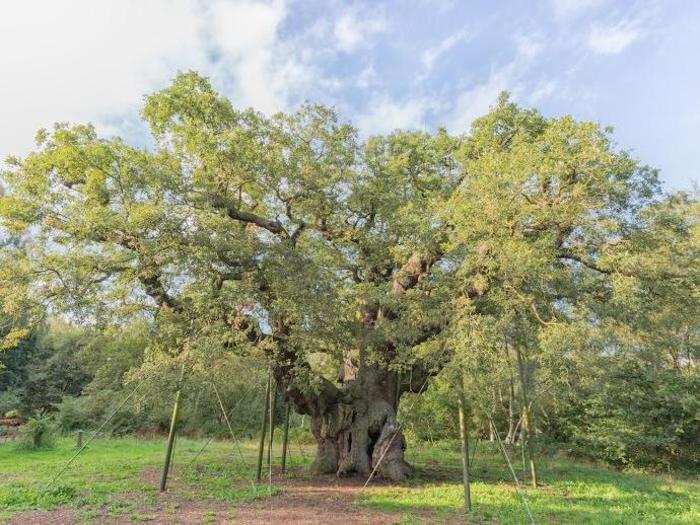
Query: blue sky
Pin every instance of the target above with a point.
(383, 65)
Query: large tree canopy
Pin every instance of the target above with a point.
(352, 265)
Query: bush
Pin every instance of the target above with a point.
(429, 416)
(37, 433)
(75, 413)
(90, 411)
(639, 417)
(9, 402)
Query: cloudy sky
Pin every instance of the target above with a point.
(420, 64)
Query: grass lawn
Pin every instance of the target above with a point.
(118, 478)
(572, 491)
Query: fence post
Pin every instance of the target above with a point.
(285, 437)
(263, 429)
(171, 433)
(273, 406)
(464, 435)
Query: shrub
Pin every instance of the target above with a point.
(639, 417)
(75, 413)
(38, 432)
(9, 402)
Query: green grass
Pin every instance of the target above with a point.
(120, 475)
(572, 491)
(119, 478)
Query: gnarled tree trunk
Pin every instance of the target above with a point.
(360, 432)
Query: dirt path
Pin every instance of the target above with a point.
(323, 499)
(302, 500)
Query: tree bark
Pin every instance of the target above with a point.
(285, 436)
(359, 431)
(171, 433)
(510, 437)
(271, 414)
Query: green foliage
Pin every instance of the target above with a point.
(12, 413)
(37, 433)
(36, 374)
(10, 401)
(575, 492)
(76, 413)
(17, 497)
(113, 475)
(430, 416)
(632, 415)
(518, 255)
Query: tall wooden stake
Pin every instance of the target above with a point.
(273, 403)
(285, 436)
(464, 435)
(171, 433)
(527, 423)
(263, 430)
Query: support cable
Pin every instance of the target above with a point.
(228, 423)
(518, 488)
(91, 438)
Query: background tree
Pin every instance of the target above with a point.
(565, 232)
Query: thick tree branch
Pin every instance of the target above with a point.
(417, 267)
(609, 271)
(273, 226)
(587, 263)
(150, 278)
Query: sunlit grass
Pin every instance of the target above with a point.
(122, 474)
(119, 477)
(572, 492)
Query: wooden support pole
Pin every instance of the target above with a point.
(171, 433)
(285, 436)
(464, 436)
(527, 425)
(263, 430)
(273, 403)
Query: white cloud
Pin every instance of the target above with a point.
(252, 59)
(387, 114)
(439, 5)
(544, 91)
(354, 30)
(528, 46)
(86, 61)
(431, 55)
(83, 60)
(476, 101)
(368, 77)
(613, 39)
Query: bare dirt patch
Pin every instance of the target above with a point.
(40, 517)
(321, 499)
(303, 499)
(307, 499)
